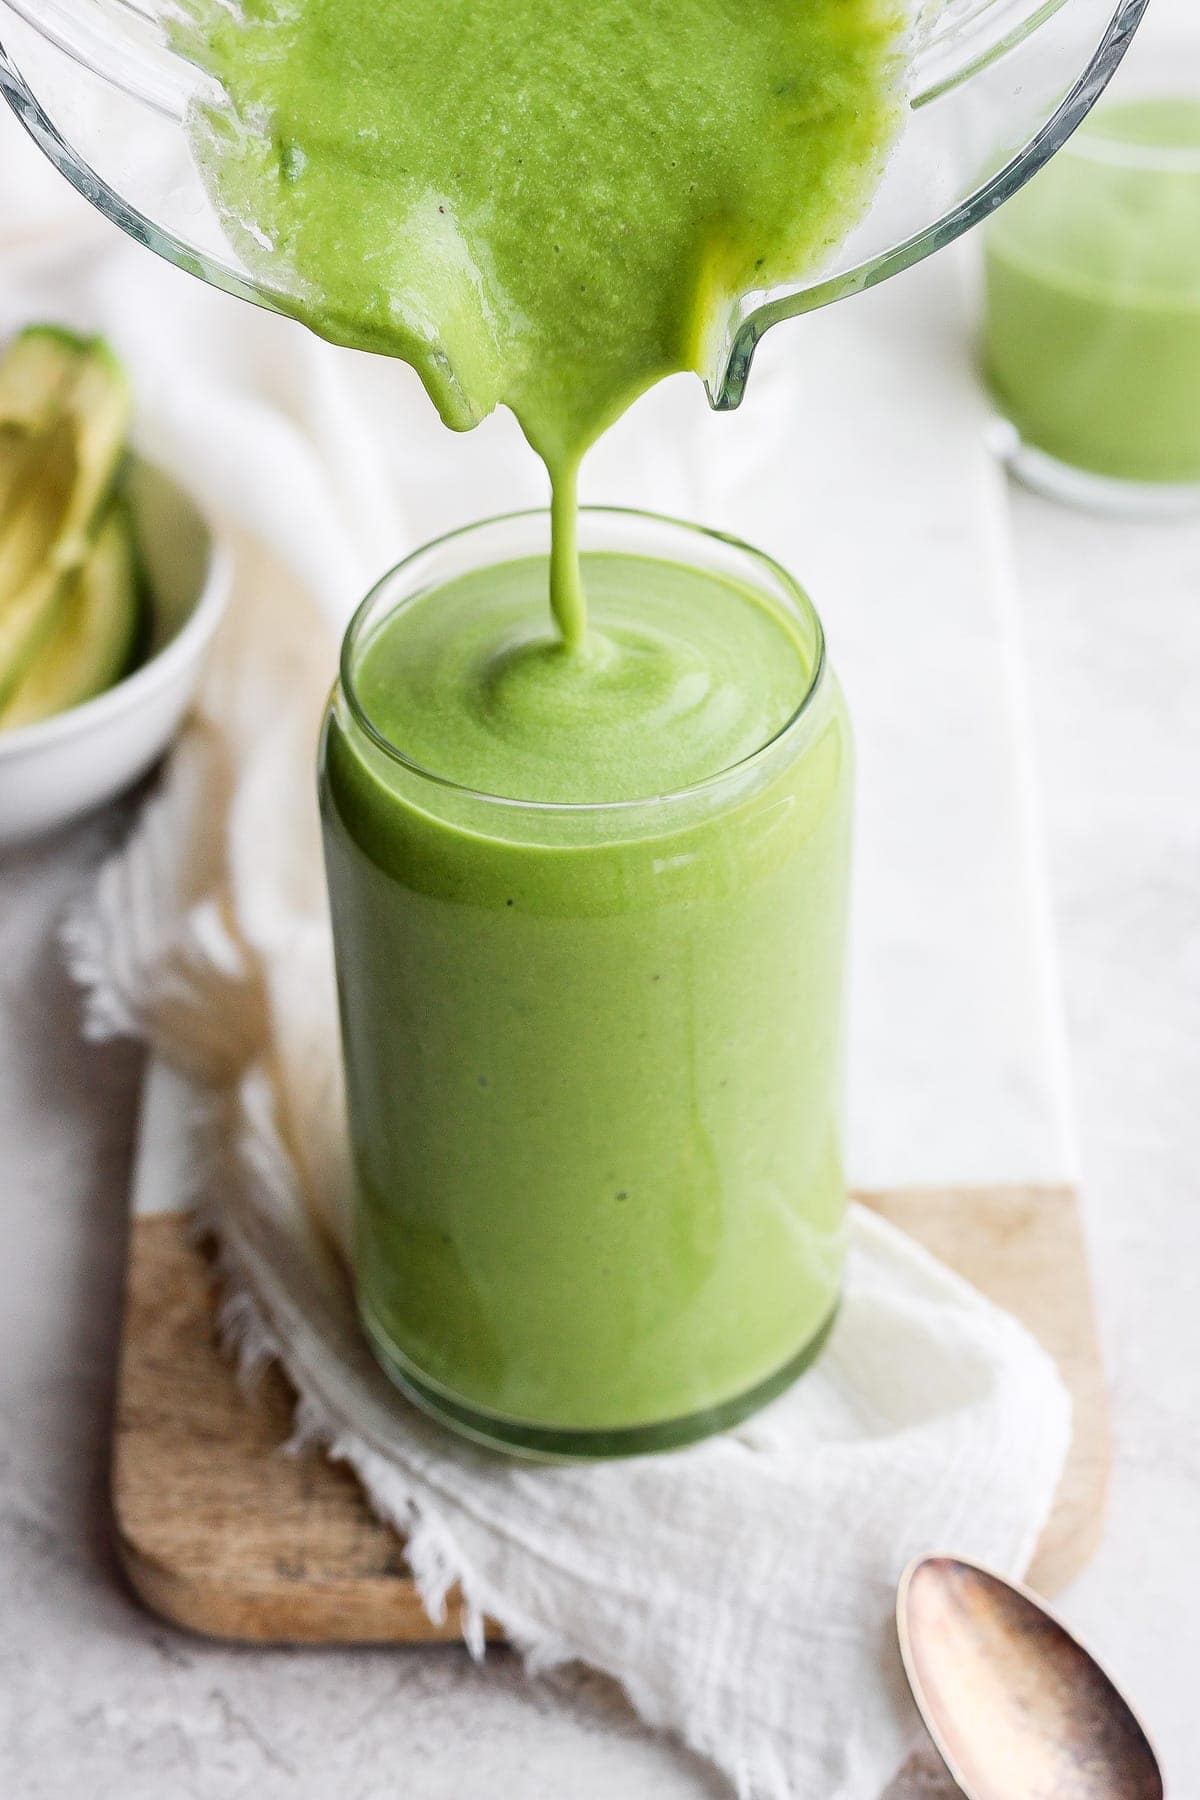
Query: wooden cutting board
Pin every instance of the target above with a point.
(221, 1532)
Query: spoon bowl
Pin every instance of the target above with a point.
(1017, 1708)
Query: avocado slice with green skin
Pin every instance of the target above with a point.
(96, 629)
(27, 622)
(64, 416)
(37, 502)
(51, 380)
(34, 372)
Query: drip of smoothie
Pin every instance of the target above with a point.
(537, 203)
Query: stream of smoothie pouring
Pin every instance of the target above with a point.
(539, 203)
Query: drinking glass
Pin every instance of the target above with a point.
(593, 1052)
(1092, 333)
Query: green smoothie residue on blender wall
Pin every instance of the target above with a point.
(537, 203)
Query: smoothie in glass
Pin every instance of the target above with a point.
(589, 907)
(1093, 300)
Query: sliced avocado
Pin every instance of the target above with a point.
(98, 403)
(50, 381)
(64, 414)
(27, 621)
(34, 372)
(95, 630)
(37, 509)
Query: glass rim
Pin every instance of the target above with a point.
(792, 588)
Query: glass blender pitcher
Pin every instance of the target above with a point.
(995, 87)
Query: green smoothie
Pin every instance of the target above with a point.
(1093, 277)
(536, 202)
(593, 1045)
(588, 875)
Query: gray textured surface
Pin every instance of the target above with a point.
(97, 1700)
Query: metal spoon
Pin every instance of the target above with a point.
(1017, 1708)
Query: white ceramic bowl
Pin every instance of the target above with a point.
(65, 766)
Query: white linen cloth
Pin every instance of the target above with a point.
(741, 1591)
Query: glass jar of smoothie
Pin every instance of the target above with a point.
(1092, 339)
(589, 909)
